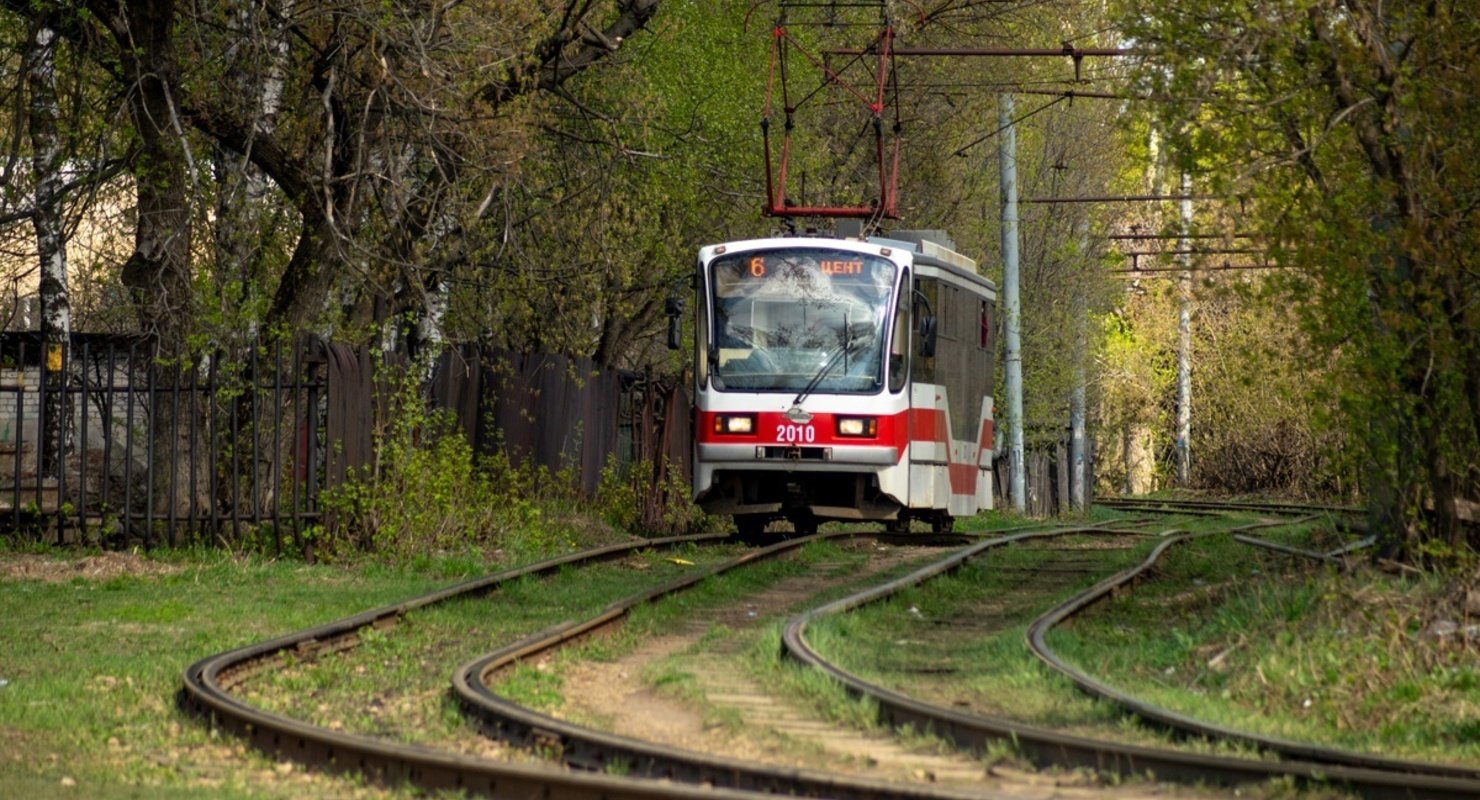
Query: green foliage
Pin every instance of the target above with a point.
(1345, 132)
(1266, 420)
(633, 499)
(430, 494)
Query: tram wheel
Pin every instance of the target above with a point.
(804, 524)
(942, 523)
(901, 525)
(750, 526)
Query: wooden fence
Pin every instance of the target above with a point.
(237, 447)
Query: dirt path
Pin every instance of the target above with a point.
(727, 711)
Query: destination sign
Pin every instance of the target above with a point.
(841, 267)
(758, 267)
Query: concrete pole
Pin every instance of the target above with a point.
(1184, 345)
(1011, 307)
(1078, 454)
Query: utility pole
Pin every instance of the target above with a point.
(1184, 344)
(1078, 455)
(1011, 308)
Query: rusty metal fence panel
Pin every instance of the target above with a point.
(239, 447)
(567, 415)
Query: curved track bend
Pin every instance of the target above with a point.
(1183, 724)
(209, 682)
(1377, 778)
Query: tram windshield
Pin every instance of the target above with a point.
(790, 319)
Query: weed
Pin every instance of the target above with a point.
(619, 766)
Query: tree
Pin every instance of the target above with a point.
(1346, 127)
(51, 250)
(369, 126)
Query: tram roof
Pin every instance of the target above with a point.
(935, 248)
(929, 247)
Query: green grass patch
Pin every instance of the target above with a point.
(1279, 646)
(93, 666)
(957, 640)
(395, 684)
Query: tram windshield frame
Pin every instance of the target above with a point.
(788, 318)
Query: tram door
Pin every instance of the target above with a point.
(929, 441)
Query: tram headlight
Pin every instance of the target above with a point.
(858, 426)
(734, 423)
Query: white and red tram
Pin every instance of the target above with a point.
(843, 379)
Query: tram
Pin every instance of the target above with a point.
(843, 379)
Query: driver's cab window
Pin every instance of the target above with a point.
(899, 340)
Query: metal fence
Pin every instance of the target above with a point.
(238, 447)
(1046, 477)
(571, 417)
(217, 447)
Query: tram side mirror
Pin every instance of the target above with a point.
(927, 336)
(673, 307)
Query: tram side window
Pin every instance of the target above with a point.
(899, 341)
(986, 326)
(988, 355)
(947, 313)
(926, 301)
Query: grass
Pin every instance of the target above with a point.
(93, 666)
(1279, 646)
(958, 639)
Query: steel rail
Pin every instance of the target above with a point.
(1228, 505)
(1051, 748)
(1399, 773)
(583, 747)
(208, 683)
(1335, 557)
(1157, 507)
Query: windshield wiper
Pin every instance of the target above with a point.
(827, 366)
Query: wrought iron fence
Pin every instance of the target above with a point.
(115, 446)
(238, 447)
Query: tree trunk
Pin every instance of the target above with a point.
(51, 248)
(158, 272)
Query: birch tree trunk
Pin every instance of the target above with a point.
(51, 248)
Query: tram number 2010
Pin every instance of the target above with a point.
(795, 434)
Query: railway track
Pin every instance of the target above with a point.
(209, 686)
(210, 682)
(1215, 507)
(584, 747)
(1188, 726)
(1369, 776)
